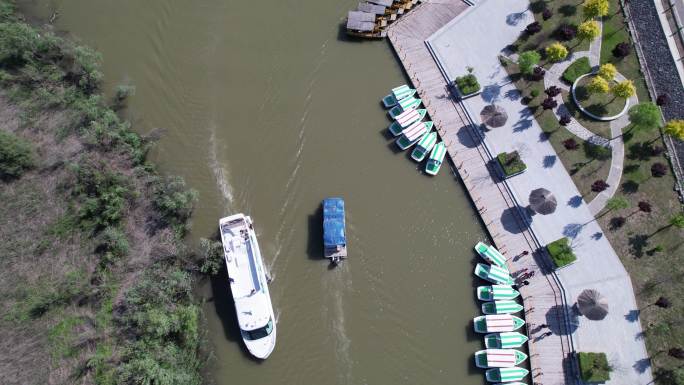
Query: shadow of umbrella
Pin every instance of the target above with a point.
(515, 220)
(592, 305)
(493, 116)
(557, 321)
(542, 201)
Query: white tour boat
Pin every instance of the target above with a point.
(248, 284)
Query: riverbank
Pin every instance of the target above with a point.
(97, 285)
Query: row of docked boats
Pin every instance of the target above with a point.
(409, 127)
(500, 358)
(371, 18)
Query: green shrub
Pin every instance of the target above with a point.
(40, 299)
(534, 93)
(467, 84)
(102, 193)
(174, 202)
(18, 41)
(527, 60)
(578, 68)
(61, 337)
(594, 367)
(561, 253)
(113, 244)
(16, 156)
(511, 163)
(212, 256)
(597, 152)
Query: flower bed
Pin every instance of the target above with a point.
(594, 367)
(561, 253)
(467, 85)
(511, 164)
(578, 68)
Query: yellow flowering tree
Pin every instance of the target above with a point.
(588, 31)
(625, 89)
(595, 8)
(556, 52)
(607, 71)
(598, 85)
(675, 128)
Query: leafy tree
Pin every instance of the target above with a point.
(658, 170)
(617, 203)
(621, 50)
(644, 207)
(662, 99)
(617, 222)
(533, 28)
(527, 61)
(174, 202)
(16, 156)
(598, 85)
(552, 91)
(538, 73)
(566, 32)
(588, 31)
(595, 8)
(570, 144)
(599, 185)
(677, 221)
(624, 89)
(549, 103)
(546, 15)
(675, 128)
(556, 52)
(18, 41)
(565, 120)
(607, 71)
(644, 115)
(212, 256)
(663, 302)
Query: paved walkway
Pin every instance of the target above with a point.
(475, 39)
(497, 207)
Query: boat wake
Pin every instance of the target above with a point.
(336, 284)
(219, 171)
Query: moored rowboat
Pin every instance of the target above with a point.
(406, 119)
(397, 94)
(493, 274)
(434, 163)
(504, 340)
(497, 323)
(406, 104)
(501, 307)
(499, 358)
(412, 134)
(491, 255)
(496, 292)
(506, 374)
(426, 143)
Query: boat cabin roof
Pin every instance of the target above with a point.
(360, 21)
(371, 8)
(333, 222)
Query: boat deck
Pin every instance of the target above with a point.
(543, 297)
(240, 260)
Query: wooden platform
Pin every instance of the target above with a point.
(550, 356)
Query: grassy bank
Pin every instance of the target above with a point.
(638, 227)
(96, 283)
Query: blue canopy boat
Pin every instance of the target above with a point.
(334, 237)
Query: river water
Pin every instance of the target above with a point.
(267, 109)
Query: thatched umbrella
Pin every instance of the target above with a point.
(592, 305)
(493, 115)
(542, 201)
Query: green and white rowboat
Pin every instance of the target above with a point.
(406, 119)
(491, 255)
(424, 145)
(413, 134)
(511, 383)
(506, 374)
(497, 323)
(436, 158)
(505, 340)
(496, 292)
(493, 274)
(397, 94)
(406, 104)
(501, 307)
(499, 358)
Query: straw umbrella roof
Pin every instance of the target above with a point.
(542, 201)
(592, 305)
(494, 115)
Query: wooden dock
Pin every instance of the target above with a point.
(551, 357)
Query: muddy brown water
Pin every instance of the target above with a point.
(267, 109)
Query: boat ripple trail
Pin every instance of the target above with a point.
(219, 171)
(336, 284)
